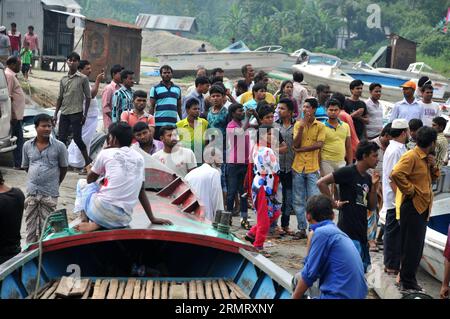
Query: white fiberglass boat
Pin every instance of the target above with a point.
(231, 59)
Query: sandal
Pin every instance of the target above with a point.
(391, 271)
(245, 224)
(287, 231)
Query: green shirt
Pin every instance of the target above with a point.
(26, 56)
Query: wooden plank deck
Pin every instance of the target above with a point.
(141, 289)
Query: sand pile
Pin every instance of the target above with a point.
(157, 42)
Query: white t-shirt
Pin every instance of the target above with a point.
(181, 160)
(205, 183)
(123, 171)
(430, 111)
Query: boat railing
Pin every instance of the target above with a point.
(269, 48)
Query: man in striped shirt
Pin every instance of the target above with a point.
(123, 98)
(165, 101)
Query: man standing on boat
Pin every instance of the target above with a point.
(413, 176)
(114, 186)
(165, 101)
(357, 109)
(45, 160)
(393, 153)
(409, 108)
(332, 258)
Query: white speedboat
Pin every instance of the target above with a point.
(231, 59)
(416, 70)
(326, 69)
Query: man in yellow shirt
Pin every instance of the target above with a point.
(309, 137)
(260, 77)
(192, 129)
(337, 148)
(413, 176)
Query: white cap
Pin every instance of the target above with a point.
(400, 124)
(2, 28)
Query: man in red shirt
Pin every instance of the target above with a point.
(33, 41)
(15, 38)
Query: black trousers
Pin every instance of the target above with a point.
(392, 241)
(286, 208)
(17, 131)
(413, 228)
(66, 122)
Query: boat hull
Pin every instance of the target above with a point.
(161, 256)
(339, 81)
(186, 64)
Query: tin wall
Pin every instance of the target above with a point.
(106, 45)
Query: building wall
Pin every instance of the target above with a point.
(23, 13)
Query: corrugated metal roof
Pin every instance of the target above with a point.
(169, 23)
(115, 23)
(62, 3)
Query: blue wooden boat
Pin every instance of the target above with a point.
(190, 251)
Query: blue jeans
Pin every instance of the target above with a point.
(235, 183)
(286, 209)
(304, 186)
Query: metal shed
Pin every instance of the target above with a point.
(107, 42)
(174, 24)
(398, 55)
(53, 22)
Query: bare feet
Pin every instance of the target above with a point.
(83, 217)
(87, 227)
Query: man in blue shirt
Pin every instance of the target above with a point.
(165, 101)
(332, 258)
(409, 108)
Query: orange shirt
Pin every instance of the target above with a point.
(132, 119)
(347, 118)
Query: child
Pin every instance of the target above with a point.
(26, 56)
(264, 188)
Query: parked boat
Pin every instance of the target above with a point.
(189, 254)
(325, 69)
(230, 59)
(436, 236)
(416, 70)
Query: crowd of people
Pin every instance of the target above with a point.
(289, 152)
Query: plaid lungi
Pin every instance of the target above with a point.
(37, 208)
